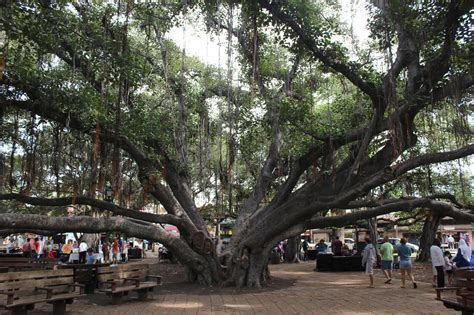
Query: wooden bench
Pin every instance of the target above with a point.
(118, 280)
(27, 263)
(20, 291)
(464, 299)
(85, 274)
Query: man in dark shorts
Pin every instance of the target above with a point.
(386, 250)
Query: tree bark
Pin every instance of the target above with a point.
(374, 235)
(428, 234)
(293, 248)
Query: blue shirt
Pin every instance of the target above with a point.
(321, 248)
(404, 252)
(461, 261)
(90, 259)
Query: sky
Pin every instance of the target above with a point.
(214, 51)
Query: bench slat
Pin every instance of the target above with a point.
(131, 267)
(35, 274)
(65, 296)
(26, 301)
(27, 285)
(122, 275)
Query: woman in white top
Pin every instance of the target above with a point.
(437, 259)
(369, 258)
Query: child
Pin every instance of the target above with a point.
(448, 266)
(90, 259)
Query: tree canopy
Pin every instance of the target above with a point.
(295, 123)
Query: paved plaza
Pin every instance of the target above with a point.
(295, 289)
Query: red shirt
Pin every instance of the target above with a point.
(115, 247)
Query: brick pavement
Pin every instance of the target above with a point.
(295, 289)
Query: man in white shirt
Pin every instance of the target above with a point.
(437, 259)
(82, 252)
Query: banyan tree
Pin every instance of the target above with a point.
(292, 121)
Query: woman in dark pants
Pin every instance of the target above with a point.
(437, 259)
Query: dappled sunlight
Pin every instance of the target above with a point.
(334, 284)
(296, 273)
(177, 305)
(238, 306)
(340, 282)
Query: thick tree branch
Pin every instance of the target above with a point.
(432, 158)
(439, 66)
(97, 225)
(404, 205)
(265, 177)
(324, 56)
(100, 204)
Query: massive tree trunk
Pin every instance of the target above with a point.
(428, 234)
(293, 248)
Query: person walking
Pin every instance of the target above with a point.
(83, 252)
(369, 258)
(386, 249)
(404, 254)
(437, 260)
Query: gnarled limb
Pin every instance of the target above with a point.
(100, 204)
(324, 56)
